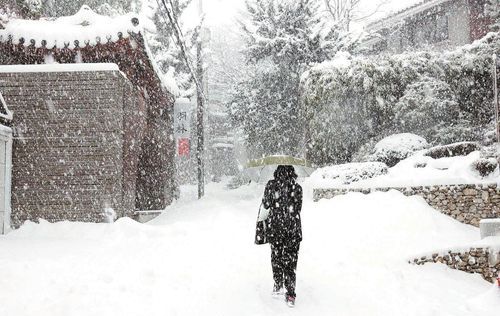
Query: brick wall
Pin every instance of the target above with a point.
(467, 203)
(77, 139)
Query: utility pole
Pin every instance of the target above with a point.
(200, 111)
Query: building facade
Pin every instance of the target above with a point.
(84, 40)
(430, 24)
(74, 151)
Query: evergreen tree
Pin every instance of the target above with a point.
(167, 52)
(30, 8)
(283, 38)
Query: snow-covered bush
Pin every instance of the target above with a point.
(453, 150)
(397, 147)
(484, 167)
(347, 106)
(364, 152)
(430, 108)
(489, 138)
(237, 181)
(351, 172)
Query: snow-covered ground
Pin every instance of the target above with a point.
(416, 170)
(198, 258)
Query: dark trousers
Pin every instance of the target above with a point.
(284, 257)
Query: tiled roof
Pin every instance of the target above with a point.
(404, 13)
(84, 28)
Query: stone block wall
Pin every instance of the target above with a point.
(467, 203)
(483, 261)
(76, 144)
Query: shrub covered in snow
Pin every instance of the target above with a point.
(351, 172)
(489, 138)
(450, 93)
(237, 181)
(364, 152)
(453, 150)
(484, 166)
(430, 108)
(397, 147)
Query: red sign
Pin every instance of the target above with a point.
(183, 147)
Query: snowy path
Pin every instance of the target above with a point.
(199, 259)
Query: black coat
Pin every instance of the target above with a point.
(284, 200)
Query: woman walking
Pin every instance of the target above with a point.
(283, 198)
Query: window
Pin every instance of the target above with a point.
(441, 28)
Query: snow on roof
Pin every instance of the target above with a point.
(85, 27)
(402, 10)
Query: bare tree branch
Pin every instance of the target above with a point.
(375, 11)
(345, 11)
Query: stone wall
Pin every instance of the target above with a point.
(467, 203)
(76, 144)
(483, 261)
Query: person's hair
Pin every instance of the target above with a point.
(285, 173)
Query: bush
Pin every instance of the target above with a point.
(363, 154)
(351, 172)
(238, 181)
(430, 108)
(450, 93)
(485, 167)
(397, 147)
(453, 150)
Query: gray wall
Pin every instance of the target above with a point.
(75, 144)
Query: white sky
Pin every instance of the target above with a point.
(225, 12)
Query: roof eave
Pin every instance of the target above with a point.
(402, 15)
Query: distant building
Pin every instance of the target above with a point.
(91, 135)
(220, 160)
(221, 156)
(434, 24)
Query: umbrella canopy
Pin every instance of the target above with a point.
(262, 170)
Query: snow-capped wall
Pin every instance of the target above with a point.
(481, 260)
(467, 203)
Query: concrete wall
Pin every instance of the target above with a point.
(76, 144)
(467, 203)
